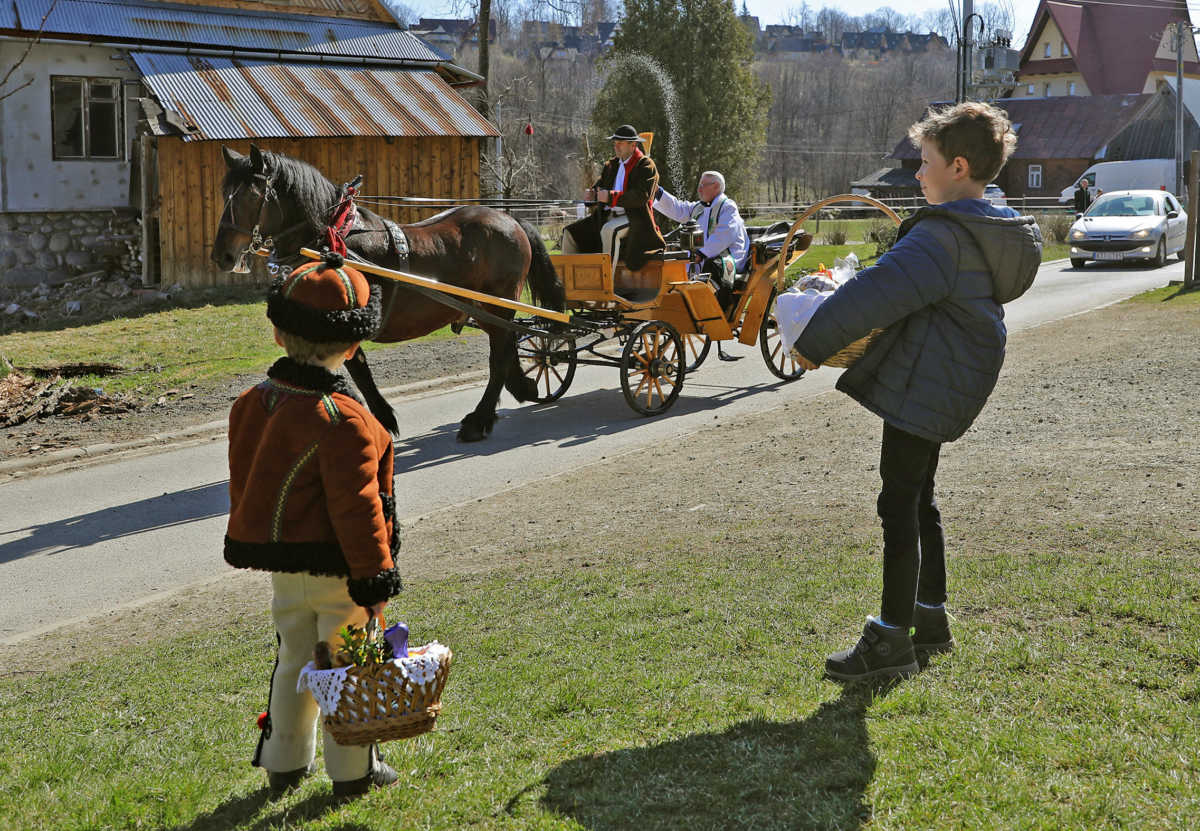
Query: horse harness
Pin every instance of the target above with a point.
(269, 196)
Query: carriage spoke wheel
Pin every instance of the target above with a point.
(696, 347)
(549, 361)
(652, 367)
(775, 352)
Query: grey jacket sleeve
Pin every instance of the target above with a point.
(917, 272)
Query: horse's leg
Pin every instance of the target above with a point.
(361, 373)
(478, 423)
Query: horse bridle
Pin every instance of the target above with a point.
(269, 196)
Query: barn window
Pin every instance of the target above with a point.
(1066, 50)
(86, 115)
(1035, 177)
(1046, 50)
(1031, 89)
(1071, 88)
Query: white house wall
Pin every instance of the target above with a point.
(30, 178)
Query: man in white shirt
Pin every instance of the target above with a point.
(726, 247)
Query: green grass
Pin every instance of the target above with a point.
(1170, 294)
(200, 345)
(827, 254)
(679, 687)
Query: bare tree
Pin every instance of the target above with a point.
(405, 14)
(887, 19)
(25, 54)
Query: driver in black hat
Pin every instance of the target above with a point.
(625, 191)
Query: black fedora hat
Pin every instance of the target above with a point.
(626, 133)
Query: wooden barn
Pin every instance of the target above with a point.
(337, 83)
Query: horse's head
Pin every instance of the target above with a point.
(251, 207)
(273, 200)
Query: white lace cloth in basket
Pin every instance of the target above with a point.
(326, 684)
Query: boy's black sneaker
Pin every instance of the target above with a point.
(380, 776)
(881, 652)
(931, 633)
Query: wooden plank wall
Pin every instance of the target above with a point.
(190, 176)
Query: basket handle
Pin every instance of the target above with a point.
(784, 262)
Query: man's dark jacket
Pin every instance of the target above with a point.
(1083, 199)
(644, 238)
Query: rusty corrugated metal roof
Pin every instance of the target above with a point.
(225, 98)
(221, 28)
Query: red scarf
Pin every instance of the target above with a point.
(633, 159)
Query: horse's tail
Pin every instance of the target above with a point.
(544, 285)
(361, 373)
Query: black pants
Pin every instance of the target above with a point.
(914, 547)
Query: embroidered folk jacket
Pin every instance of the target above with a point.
(310, 483)
(641, 182)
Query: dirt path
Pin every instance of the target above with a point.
(1094, 427)
(406, 363)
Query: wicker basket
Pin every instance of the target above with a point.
(379, 702)
(847, 357)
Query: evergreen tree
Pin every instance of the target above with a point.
(720, 108)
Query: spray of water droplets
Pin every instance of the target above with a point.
(670, 102)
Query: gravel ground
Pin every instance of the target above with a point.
(1092, 429)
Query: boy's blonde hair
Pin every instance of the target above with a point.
(305, 351)
(980, 133)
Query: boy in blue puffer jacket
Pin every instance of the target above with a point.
(937, 294)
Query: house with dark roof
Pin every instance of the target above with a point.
(116, 112)
(1057, 138)
(451, 34)
(1090, 48)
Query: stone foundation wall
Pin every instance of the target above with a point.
(52, 248)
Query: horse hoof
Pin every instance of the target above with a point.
(475, 427)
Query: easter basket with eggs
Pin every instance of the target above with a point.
(374, 688)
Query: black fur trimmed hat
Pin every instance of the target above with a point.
(325, 302)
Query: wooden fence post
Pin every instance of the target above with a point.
(1189, 268)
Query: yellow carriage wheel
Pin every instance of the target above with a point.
(653, 364)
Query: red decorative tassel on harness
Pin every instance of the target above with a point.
(343, 220)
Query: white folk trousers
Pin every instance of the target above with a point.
(307, 609)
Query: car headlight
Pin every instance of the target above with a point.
(1142, 234)
(1078, 235)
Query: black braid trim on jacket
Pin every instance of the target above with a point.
(389, 515)
(312, 377)
(318, 326)
(323, 559)
(367, 591)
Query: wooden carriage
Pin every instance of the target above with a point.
(666, 320)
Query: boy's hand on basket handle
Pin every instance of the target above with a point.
(376, 611)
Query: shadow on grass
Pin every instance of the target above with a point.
(757, 774)
(241, 811)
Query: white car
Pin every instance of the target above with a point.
(993, 194)
(1129, 225)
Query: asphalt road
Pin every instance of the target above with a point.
(85, 541)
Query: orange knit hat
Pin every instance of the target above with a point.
(325, 302)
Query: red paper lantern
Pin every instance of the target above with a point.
(529, 129)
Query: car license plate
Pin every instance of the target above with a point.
(1107, 255)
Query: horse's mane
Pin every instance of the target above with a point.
(297, 182)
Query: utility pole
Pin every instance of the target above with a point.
(1179, 29)
(964, 53)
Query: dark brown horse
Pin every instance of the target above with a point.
(478, 248)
